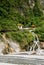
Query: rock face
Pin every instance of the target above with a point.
(10, 45)
(2, 45)
(42, 45)
(8, 49)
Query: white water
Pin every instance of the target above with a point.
(36, 41)
(16, 46)
(19, 58)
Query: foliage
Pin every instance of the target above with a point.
(40, 32)
(14, 12)
(23, 37)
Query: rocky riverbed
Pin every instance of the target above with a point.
(23, 59)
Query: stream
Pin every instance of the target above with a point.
(21, 58)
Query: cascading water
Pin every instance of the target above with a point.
(16, 46)
(36, 41)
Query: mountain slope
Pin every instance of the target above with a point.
(25, 12)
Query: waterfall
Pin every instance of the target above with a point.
(36, 41)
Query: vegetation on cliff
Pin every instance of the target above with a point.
(14, 12)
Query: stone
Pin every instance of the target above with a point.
(42, 45)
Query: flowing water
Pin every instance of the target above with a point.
(22, 58)
(36, 41)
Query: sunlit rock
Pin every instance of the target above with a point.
(42, 45)
(8, 49)
(33, 52)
